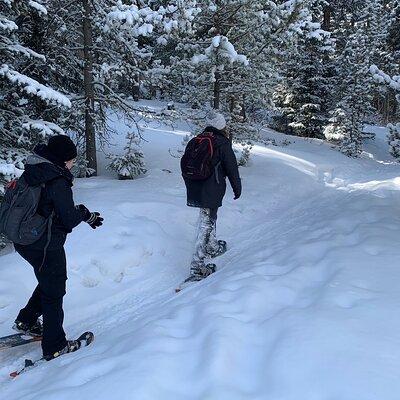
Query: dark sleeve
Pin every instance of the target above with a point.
(64, 208)
(231, 168)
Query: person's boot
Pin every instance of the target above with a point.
(72, 345)
(218, 250)
(31, 330)
(200, 272)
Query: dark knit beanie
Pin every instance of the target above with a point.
(62, 148)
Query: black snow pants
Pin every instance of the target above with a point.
(206, 241)
(47, 298)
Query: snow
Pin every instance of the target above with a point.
(304, 305)
(142, 21)
(382, 77)
(31, 86)
(6, 24)
(130, 16)
(222, 46)
(9, 170)
(38, 7)
(216, 41)
(45, 128)
(27, 52)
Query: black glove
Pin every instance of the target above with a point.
(95, 220)
(84, 211)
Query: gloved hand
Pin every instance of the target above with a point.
(95, 220)
(84, 210)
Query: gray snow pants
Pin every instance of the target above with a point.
(206, 241)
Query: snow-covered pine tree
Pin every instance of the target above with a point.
(131, 164)
(355, 104)
(358, 33)
(377, 18)
(26, 99)
(229, 62)
(143, 32)
(391, 107)
(92, 60)
(303, 95)
(394, 128)
(27, 103)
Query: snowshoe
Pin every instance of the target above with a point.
(196, 275)
(72, 345)
(18, 339)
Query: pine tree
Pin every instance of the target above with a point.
(27, 104)
(129, 165)
(303, 96)
(355, 104)
(230, 60)
(394, 129)
(359, 28)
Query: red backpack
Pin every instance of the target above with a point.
(196, 163)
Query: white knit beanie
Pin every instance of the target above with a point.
(215, 120)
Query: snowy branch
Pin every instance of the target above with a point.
(17, 48)
(382, 77)
(31, 86)
(223, 47)
(45, 128)
(40, 8)
(7, 25)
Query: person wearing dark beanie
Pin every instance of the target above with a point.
(49, 167)
(62, 148)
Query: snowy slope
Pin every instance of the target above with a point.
(304, 305)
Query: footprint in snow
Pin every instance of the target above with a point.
(4, 303)
(90, 282)
(352, 298)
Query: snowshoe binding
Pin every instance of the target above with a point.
(30, 330)
(221, 249)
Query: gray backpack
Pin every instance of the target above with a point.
(19, 220)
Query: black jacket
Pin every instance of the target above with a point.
(209, 193)
(56, 196)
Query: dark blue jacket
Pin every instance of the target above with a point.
(56, 196)
(210, 192)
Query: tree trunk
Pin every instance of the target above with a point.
(231, 104)
(90, 133)
(326, 25)
(217, 75)
(217, 91)
(136, 88)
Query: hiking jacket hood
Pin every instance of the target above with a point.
(56, 196)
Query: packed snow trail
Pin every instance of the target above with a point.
(303, 306)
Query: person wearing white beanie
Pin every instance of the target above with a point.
(208, 160)
(216, 120)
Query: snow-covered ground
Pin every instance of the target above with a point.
(304, 305)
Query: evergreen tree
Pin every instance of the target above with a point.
(304, 94)
(27, 102)
(129, 165)
(360, 29)
(230, 60)
(355, 87)
(394, 129)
